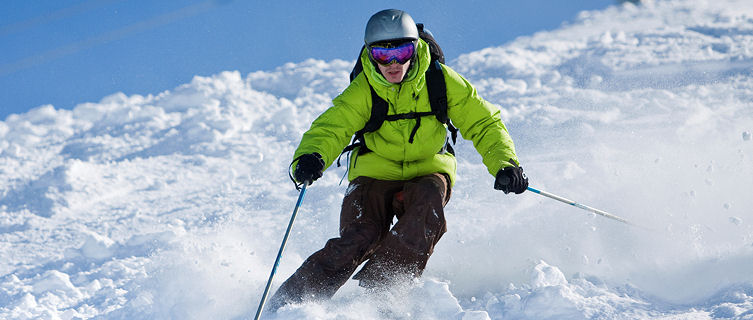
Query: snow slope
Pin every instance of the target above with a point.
(172, 206)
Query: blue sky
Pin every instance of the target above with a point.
(69, 52)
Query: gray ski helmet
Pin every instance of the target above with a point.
(390, 24)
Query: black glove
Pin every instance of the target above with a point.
(309, 167)
(511, 179)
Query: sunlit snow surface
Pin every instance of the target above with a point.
(173, 205)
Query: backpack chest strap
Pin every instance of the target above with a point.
(410, 115)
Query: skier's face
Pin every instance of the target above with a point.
(394, 72)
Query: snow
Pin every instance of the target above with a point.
(173, 205)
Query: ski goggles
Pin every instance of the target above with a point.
(386, 55)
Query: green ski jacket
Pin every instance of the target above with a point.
(392, 156)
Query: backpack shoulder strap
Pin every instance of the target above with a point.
(358, 67)
(378, 105)
(378, 114)
(379, 109)
(437, 87)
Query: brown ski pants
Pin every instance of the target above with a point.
(394, 254)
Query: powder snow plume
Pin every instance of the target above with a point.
(173, 205)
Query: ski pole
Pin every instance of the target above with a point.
(578, 205)
(282, 248)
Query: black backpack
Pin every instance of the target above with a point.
(435, 85)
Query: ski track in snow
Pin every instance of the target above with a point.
(172, 206)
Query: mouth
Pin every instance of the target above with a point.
(394, 72)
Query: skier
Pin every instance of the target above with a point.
(404, 169)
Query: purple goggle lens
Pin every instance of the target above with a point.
(400, 54)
